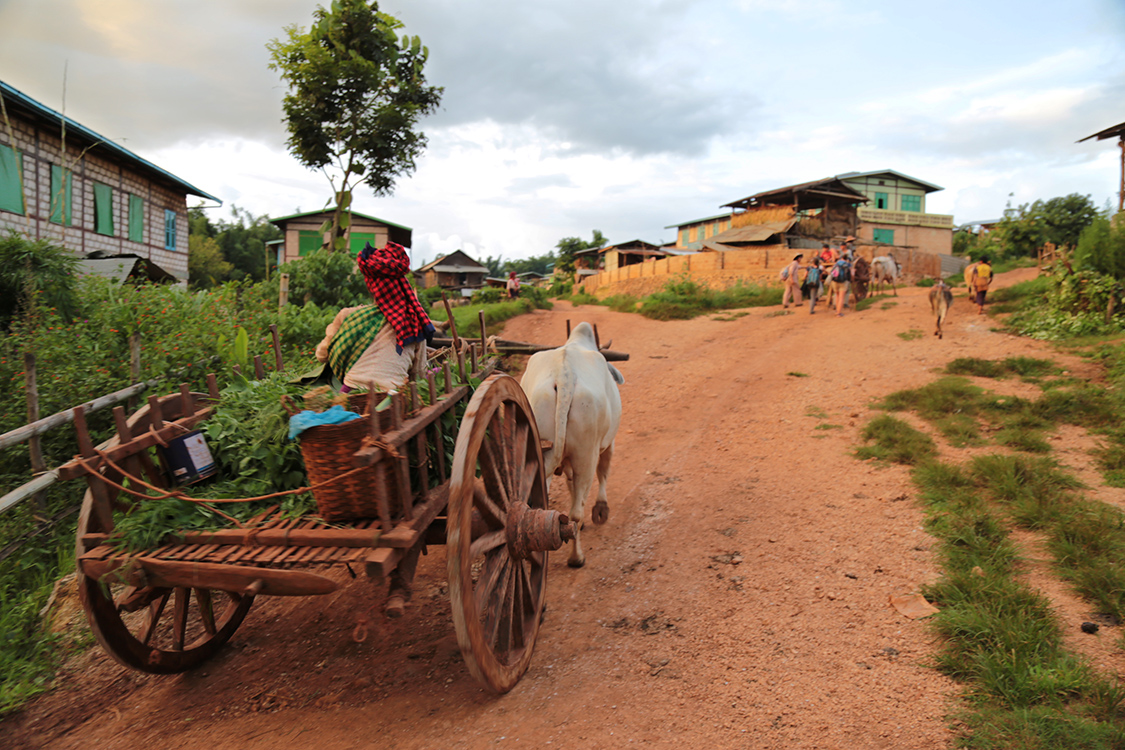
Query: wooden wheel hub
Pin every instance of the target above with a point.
(531, 530)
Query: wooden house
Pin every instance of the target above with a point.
(90, 195)
(303, 235)
(454, 272)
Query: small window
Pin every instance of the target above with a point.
(358, 240)
(103, 209)
(11, 180)
(884, 235)
(136, 219)
(911, 202)
(881, 200)
(169, 230)
(61, 195)
(309, 242)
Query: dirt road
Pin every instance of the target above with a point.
(737, 597)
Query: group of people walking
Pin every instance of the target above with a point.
(840, 273)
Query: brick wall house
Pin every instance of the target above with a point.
(97, 196)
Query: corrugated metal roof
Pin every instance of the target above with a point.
(331, 210)
(1101, 135)
(697, 221)
(84, 133)
(753, 232)
(930, 187)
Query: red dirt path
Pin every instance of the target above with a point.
(737, 597)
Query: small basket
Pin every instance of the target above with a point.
(327, 451)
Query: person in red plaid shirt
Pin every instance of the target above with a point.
(385, 270)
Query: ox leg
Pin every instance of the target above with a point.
(579, 479)
(600, 513)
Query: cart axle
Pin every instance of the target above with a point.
(531, 530)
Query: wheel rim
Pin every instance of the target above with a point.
(157, 630)
(497, 590)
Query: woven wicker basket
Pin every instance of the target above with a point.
(327, 451)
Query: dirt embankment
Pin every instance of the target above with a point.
(736, 598)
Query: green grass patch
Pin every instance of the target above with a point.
(912, 335)
(816, 412)
(467, 318)
(682, 299)
(867, 302)
(896, 441)
(795, 374)
(1000, 637)
(995, 368)
(828, 426)
(887, 305)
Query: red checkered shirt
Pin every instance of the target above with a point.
(385, 270)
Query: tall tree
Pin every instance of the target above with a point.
(356, 92)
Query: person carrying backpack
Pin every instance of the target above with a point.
(814, 282)
(789, 275)
(980, 278)
(839, 278)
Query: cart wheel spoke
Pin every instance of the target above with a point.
(492, 472)
(486, 543)
(155, 611)
(206, 610)
(497, 599)
(492, 514)
(527, 482)
(179, 617)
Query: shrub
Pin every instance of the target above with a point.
(35, 269)
(326, 279)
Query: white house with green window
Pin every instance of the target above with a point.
(303, 235)
(91, 196)
(895, 213)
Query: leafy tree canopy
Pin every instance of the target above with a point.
(206, 265)
(356, 92)
(35, 272)
(568, 246)
(1025, 229)
(241, 240)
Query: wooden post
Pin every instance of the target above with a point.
(34, 445)
(483, 335)
(473, 358)
(103, 513)
(568, 328)
(447, 372)
(283, 293)
(259, 369)
(186, 408)
(456, 339)
(134, 364)
(276, 347)
(212, 386)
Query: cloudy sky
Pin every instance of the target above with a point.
(564, 116)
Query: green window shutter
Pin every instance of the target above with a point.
(169, 230)
(884, 235)
(103, 209)
(911, 202)
(309, 242)
(358, 240)
(136, 218)
(11, 183)
(61, 195)
(881, 201)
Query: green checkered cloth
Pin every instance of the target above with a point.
(356, 333)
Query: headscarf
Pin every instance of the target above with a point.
(385, 271)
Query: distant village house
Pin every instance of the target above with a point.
(456, 272)
(303, 235)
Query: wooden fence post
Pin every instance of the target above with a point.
(34, 444)
(283, 294)
(134, 365)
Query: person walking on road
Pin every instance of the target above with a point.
(980, 278)
(790, 275)
(814, 282)
(838, 283)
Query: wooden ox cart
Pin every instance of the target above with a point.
(169, 608)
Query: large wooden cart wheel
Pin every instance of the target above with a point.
(499, 532)
(154, 629)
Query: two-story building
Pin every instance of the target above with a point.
(455, 272)
(87, 193)
(895, 212)
(303, 234)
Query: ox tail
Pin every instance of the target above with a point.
(565, 383)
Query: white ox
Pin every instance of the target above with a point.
(885, 269)
(573, 392)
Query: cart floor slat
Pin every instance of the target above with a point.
(249, 554)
